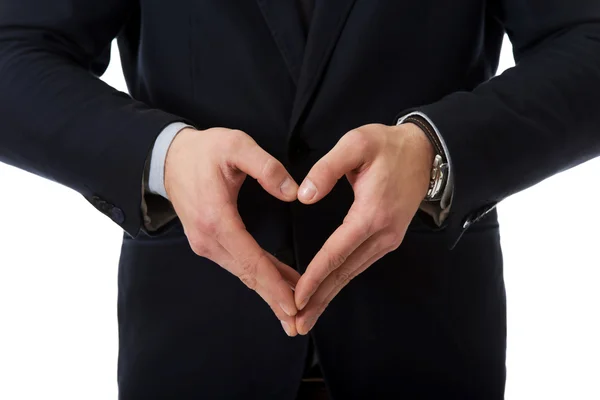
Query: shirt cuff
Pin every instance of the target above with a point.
(156, 175)
(157, 210)
(438, 210)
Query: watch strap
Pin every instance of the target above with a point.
(439, 170)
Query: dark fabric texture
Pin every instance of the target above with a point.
(306, 8)
(424, 322)
(314, 390)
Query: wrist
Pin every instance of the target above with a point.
(418, 152)
(174, 153)
(440, 166)
(421, 143)
(421, 149)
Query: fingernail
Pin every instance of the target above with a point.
(288, 187)
(286, 328)
(303, 303)
(308, 190)
(286, 310)
(308, 325)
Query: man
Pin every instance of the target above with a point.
(379, 144)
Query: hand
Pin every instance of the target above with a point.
(204, 171)
(389, 169)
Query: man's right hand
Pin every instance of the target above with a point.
(204, 171)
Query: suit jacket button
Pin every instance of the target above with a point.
(117, 215)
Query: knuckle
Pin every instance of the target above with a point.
(322, 172)
(270, 170)
(374, 126)
(359, 139)
(249, 280)
(209, 222)
(236, 133)
(342, 277)
(323, 166)
(248, 266)
(233, 141)
(366, 228)
(334, 260)
(392, 240)
(198, 245)
(382, 220)
(362, 226)
(248, 272)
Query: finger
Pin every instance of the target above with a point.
(252, 265)
(288, 273)
(267, 170)
(368, 253)
(288, 322)
(226, 261)
(346, 156)
(305, 324)
(336, 250)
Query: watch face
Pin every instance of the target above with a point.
(438, 179)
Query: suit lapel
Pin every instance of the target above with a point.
(284, 21)
(325, 29)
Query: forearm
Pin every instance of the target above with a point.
(61, 122)
(526, 125)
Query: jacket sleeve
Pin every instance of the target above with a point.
(535, 120)
(57, 119)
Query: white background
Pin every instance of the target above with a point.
(58, 275)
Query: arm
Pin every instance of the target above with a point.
(533, 121)
(60, 121)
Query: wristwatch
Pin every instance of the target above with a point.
(439, 169)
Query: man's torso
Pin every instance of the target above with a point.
(423, 321)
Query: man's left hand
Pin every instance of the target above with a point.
(389, 169)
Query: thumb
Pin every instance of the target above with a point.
(267, 170)
(323, 176)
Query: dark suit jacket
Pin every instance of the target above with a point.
(424, 321)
